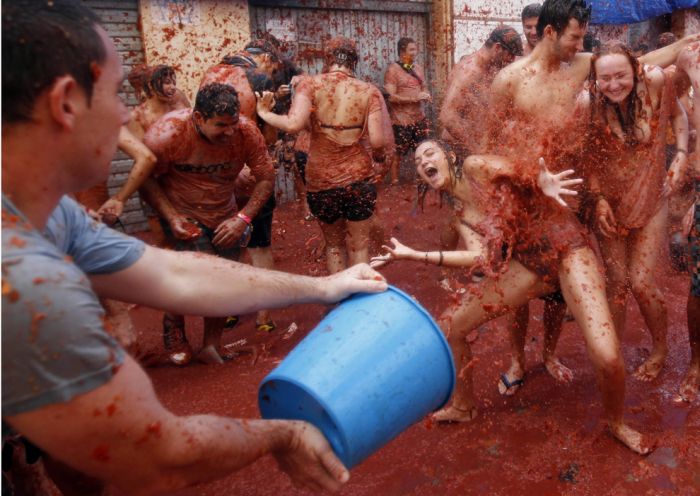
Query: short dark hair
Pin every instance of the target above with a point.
(403, 44)
(159, 74)
(42, 41)
(665, 39)
(558, 13)
(508, 38)
(530, 11)
(217, 99)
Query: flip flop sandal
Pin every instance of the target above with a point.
(267, 327)
(514, 385)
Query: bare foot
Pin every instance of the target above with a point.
(690, 385)
(650, 369)
(558, 370)
(455, 414)
(210, 356)
(511, 381)
(634, 440)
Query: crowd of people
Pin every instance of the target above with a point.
(558, 160)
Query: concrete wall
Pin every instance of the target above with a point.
(192, 35)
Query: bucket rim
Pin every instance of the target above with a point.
(328, 411)
(438, 331)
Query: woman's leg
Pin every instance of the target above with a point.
(584, 291)
(645, 245)
(334, 237)
(358, 241)
(490, 299)
(614, 254)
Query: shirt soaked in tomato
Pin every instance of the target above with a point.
(198, 176)
(407, 85)
(341, 106)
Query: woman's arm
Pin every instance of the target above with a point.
(297, 118)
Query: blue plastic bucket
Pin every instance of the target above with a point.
(372, 367)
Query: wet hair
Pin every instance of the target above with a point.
(530, 11)
(666, 39)
(158, 76)
(341, 51)
(455, 164)
(138, 79)
(590, 42)
(508, 38)
(217, 99)
(558, 13)
(263, 46)
(403, 44)
(42, 41)
(600, 103)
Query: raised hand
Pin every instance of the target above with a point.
(556, 185)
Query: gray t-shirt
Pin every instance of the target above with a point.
(54, 345)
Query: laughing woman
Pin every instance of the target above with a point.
(533, 245)
(631, 106)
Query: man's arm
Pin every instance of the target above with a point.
(103, 431)
(663, 57)
(199, 284)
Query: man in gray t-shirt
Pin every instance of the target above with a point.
(67, 386)
(54, 342)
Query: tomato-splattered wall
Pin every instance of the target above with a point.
(192, 35)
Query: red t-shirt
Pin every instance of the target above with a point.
(197, 176)
(404, 114)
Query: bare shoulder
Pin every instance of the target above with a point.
(168, 128)
(474, 164)
(655, 76)
(689, 56)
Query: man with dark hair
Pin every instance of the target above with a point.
(66, 385)
(467, 97)
(529, 17)
(200, 153)
(536, 96)
(404, 82)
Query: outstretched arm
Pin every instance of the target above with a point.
(199, 284)
(663, 57)
(398, 251)
(102, 432)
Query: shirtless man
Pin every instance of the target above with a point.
(462, 114)
(536, 95)
(341, 111)
(689, 64)
(529, 18)
(404, 82)
(200, 153)
(467, 98)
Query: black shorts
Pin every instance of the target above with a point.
(261, 237)
(202, 244)
(354, 202)
(408, 137)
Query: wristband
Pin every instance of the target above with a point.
(245, 218)
(441, 259)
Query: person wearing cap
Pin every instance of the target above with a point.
(341, 110)
(529, 17)
(200, 153)
(405, 85)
